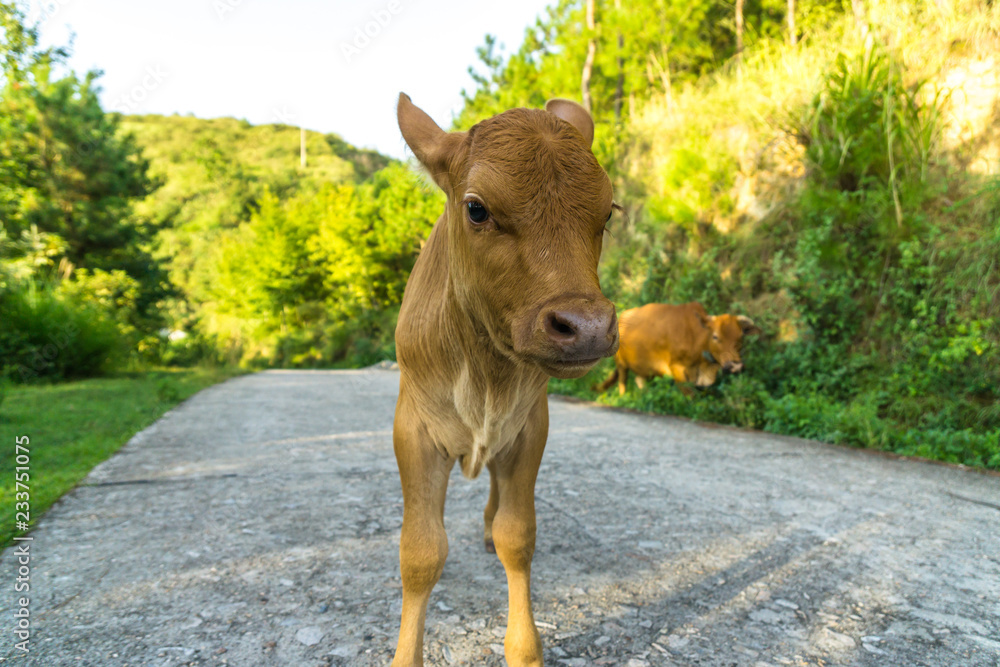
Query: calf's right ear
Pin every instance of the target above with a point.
(575, 115)
(435, 148)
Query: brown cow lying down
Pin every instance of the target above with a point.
(684, 342)
(503, 296)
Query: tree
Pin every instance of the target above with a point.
(860, 19)
(620, 85)
(19, 44)
(334, 259)
(792, 37)
(739, 29)
(588, 64)
(65, 168)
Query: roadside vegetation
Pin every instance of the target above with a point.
(844, 193)
(834, 177)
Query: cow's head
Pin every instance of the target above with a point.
(526, 212)
(726, 338)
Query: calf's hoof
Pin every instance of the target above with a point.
(490, 547)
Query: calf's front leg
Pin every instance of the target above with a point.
(423, 544)
(513, 533)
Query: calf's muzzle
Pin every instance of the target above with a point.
(579, 330)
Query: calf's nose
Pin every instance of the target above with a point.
(587, 330)
(733, 366)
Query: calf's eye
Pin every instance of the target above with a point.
(477, 212)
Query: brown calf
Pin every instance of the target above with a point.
(684, 342)
(504, 295)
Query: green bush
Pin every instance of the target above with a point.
(44, 335)
(807, 415)
(966, 446)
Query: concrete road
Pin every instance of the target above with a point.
(258, 523)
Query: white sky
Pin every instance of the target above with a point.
(284, 61)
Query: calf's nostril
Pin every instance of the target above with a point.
(560, 326)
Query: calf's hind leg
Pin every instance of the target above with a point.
(623, 380)
(423, 544)
(491, 509)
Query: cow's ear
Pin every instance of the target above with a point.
(575, 115)
(704, 319)
(436, 149)
(749, 328)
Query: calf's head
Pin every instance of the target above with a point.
(525, 218)
(726, 339)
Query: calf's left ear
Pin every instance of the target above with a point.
(435, 148)
(575, 115)
(749, 328)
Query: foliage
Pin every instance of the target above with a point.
(817, 187)
(110, 225)
(215, 170)
(65, 170)
(58, 329)
(655, 47)
(44, 335)
(76, 280)
(824, 209)
(308, 279)
(216, 174)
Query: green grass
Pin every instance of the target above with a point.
(868, 420)
(73, 426)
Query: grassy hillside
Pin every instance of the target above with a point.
(203, 163)
(844, 193)
(213, 173)
(272, 263)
